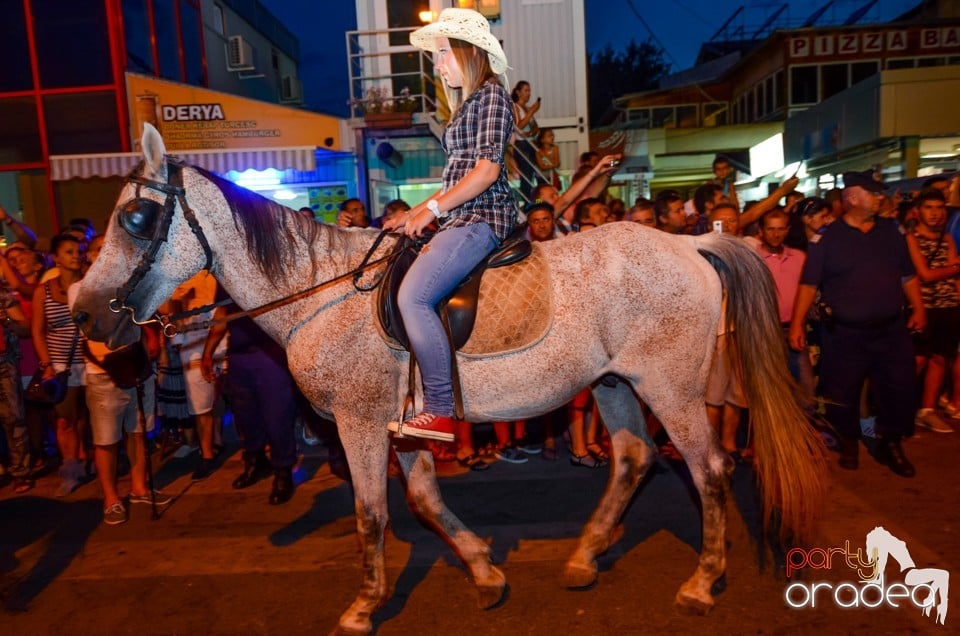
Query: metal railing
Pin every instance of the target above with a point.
(375, 87)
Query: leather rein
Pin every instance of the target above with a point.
(174, 192)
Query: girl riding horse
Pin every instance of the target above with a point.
(475, 206)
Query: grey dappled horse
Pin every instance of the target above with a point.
(629, 301)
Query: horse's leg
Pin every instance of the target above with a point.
(710, 468)
(366, 451)
(632, 456)
(423, 496)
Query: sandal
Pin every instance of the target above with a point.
(550, 454)
(587, 461)
(442, 452)
(473, 462)
(22, 485)
(596, 451)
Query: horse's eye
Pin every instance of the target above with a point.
(139, 218)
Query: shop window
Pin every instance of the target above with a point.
(715, 114)
(73, 48)
(900, 63)
(768, 96)
(640, 116)
(14, 50)
(803, 85)
(927, 62)
(780, 95)
(687, 117)
(19, 131)
(833, 78)
(192, 45)
(136, 33)
(98, 130)
(168, 45)
(860, 71)
(661, 117)
(403, 13)
(219, 22)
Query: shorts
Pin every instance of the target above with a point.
(725, 384)
(201, 395)
(114, 410)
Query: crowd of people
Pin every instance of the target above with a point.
(866, 283)
(74, 411)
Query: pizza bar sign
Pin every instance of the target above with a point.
(832, 44)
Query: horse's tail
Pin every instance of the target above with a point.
(790, 462)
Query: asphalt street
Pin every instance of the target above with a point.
(221, 561)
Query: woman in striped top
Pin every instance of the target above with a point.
(59, 344)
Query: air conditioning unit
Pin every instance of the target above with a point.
(239, 54)
(291, 90)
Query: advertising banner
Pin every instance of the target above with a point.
(193, 118)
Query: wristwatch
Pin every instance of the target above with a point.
(434, 207)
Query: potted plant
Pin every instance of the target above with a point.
(380, 110)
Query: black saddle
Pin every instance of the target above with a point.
(459, 310)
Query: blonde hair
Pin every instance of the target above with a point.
(475, 69)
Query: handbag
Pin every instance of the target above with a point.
(54, 390)
(47, 392)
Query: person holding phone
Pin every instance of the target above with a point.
(475, 208)
(525, 155)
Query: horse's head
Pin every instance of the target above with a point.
(149, 248)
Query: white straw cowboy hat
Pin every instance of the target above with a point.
(466, 25)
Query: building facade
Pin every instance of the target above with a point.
(401, 157)
(216, 76)
(816, 101)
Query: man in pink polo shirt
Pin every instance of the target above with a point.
(785, 264)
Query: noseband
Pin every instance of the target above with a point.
(146, 220)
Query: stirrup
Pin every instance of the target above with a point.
(398, 428)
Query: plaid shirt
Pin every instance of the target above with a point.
(481, 130)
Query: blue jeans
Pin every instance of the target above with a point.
(436, 272)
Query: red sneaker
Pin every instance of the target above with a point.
(438, 428)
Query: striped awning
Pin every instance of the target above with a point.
(303, 158)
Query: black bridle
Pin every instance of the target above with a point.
(147, 220)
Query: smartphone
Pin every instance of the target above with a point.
(718, 227)
(538, 100)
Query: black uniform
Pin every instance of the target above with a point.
(860, 277)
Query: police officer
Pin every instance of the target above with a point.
(863, 270)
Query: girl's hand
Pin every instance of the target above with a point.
(49, 373)
(420, 217)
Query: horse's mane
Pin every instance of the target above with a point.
(270, 229)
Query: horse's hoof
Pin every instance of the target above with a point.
(492, 593)
(579, 576)
(692, 605)
(340, 630)
(360, 626)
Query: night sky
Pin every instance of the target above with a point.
(680, 27)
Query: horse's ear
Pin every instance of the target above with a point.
(153, 151)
